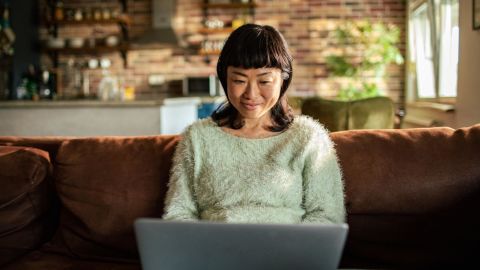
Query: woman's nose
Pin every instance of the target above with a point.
(250, 91)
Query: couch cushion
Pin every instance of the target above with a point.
(25, 200)
(104, 184)
(412, 196)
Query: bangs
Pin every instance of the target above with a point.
(255, 46)
(257, 50)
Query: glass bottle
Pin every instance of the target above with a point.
(32, 83)
(46, 86)
(59, 11)
(28, 88)
(108, 87)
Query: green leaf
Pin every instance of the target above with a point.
(367, 47)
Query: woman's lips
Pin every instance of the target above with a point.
(250, 106)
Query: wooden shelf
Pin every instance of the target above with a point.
(88, 50)
(230, 5)
(204, 30)
(203, 52)
(123, 19)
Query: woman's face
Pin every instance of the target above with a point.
(253, 92)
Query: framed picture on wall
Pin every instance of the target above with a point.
(476, 14)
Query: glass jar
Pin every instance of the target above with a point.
(106, 14)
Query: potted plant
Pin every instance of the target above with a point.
(364, 50)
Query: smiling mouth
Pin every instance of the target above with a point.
(250, 106)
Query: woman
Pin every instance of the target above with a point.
(252, 161)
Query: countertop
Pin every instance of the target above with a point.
(100, 103)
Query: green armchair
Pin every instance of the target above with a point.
(336, 115)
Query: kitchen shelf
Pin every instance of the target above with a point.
(123, 19)
(122, 49)
(204, 52)
(226, 30)
(88, 50)
(230, 5)
(206, 7)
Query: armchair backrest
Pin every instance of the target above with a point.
(336, 115)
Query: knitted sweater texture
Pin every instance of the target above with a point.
(292, 177)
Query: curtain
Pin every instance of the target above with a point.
(434, 42)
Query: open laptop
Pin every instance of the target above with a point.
(169, 245)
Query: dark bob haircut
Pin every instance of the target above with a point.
(255, 46)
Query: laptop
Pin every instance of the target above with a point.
(173, 245)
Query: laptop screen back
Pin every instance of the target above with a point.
(171, 245)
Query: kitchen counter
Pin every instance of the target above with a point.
(98, 118)
(98, 103)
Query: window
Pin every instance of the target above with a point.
(433, 49)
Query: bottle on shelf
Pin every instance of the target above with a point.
(59, 13)
(28, 88)
(46, 87)
(7, 36)
(108, 88)
(237, 22)
(78, 15)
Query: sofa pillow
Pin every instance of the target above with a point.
(104, 184)
(25, 201)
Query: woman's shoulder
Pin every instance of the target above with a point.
(200, 127)
(309, 131)
(204, 123)
(309, 126)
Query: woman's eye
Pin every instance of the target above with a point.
(265, 82)
(238, 81)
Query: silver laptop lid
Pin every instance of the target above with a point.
(168, 245)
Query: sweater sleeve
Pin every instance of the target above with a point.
(180, 202)
(323, 192)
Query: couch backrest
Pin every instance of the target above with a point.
(412, 196)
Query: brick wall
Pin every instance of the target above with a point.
(304, 23)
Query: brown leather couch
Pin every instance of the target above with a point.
(69, 203)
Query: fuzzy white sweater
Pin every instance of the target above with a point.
(292, 177)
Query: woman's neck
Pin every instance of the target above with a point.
(253, 128)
